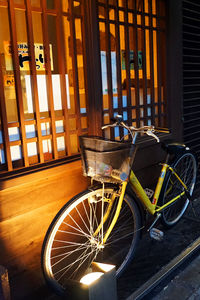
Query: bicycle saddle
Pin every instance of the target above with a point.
(173, 148)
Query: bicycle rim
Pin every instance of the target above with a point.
(186, 168)
(70, 246)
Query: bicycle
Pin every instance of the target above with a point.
(104, 223)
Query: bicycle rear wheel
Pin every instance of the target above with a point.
(70, 245)
(186, 168)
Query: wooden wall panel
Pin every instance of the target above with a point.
(26, 211)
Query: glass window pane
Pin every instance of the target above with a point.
(14, 134)
(45, 127)
(1, 137)
(53, 43)
(30, 131)
(40, 66)
(56, 92)
(24, 59)
(47, 149)
(139, 77)
(16, 152)
(80, 63)
(60, 143)
(2, 156)
(59, 126)
(32, 149)
(42, 93)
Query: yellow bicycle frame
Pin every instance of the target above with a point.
(151, 207)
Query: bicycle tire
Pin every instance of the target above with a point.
(186, 167)
(119, 248)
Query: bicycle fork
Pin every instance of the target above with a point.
(106, 215)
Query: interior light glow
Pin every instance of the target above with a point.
(88, 279)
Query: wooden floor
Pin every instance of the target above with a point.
(27, 207)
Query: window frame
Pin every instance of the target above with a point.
(93, 81)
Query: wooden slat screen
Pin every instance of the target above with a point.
(43, 92)
(191, 73)
(191, 76)
(45, 73)
(132, 33)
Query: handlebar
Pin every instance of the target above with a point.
(149, 130)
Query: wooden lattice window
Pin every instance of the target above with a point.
(132, 50)
(43, 105)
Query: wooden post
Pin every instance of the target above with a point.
(4, 284)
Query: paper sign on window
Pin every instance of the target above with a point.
(9, 80)
(131, 59)
(24, 57)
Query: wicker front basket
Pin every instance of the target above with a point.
(104, 159)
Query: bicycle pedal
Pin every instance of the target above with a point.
(156, 234)
(149, 192)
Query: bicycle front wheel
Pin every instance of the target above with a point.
(71, 244)
(186, 168)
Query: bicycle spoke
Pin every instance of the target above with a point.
(69, 266)
(121, 229)
(70, 232)
(83, 233)
(82, 219)
(69, 253)
(77, 224)
(185, 168)
(69, 242)
(120, 238)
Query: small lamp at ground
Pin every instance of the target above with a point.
(99, 283)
